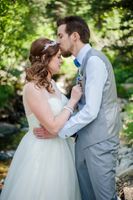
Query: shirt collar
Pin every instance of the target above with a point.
(82, 52)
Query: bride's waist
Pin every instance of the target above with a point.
(30, 133)
(32, 136)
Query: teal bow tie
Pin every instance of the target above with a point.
(76, 62)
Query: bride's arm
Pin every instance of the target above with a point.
(38, 103)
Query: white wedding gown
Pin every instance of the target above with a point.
(43, 169)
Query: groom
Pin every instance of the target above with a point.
(97, 123)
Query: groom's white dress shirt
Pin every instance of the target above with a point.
(96, 76)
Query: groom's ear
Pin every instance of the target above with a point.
(75, 36)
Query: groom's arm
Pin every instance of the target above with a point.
(96, 76)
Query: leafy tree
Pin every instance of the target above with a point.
(114, 21)
(19, 24)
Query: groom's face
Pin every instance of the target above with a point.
(65, 41)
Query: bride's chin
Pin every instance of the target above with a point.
(57, 71)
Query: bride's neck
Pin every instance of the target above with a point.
(49, 77)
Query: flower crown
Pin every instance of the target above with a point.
(49, 44)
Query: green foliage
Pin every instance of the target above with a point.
(128, 125)
(123, 73)
(113, 21)
(124, 92)
(129, 130)
(16, 25)
(6, 92)
(19, 24)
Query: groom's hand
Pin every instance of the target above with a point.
(42, 133)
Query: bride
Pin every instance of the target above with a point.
(44, 169)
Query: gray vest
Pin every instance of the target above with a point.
(107, 124)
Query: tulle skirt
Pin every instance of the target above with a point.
(42, 170)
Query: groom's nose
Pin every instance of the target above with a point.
(58, 40)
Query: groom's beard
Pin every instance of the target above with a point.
(66, 53)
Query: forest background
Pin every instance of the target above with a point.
(22, 21)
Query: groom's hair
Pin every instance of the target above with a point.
(76, 24)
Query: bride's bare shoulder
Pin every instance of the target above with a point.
(31, 89)
(31, 86)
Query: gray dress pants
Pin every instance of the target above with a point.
(96, 169)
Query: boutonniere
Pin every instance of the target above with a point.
(79, 78)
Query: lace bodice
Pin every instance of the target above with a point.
(56, 105)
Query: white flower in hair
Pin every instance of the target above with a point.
(50, 44)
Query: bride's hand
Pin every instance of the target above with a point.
(76, 93)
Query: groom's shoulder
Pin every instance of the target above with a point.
(96, 52)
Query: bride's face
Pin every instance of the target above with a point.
(55, 63)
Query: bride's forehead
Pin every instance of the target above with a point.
(58, 53)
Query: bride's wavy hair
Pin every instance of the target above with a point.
(41, 52)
